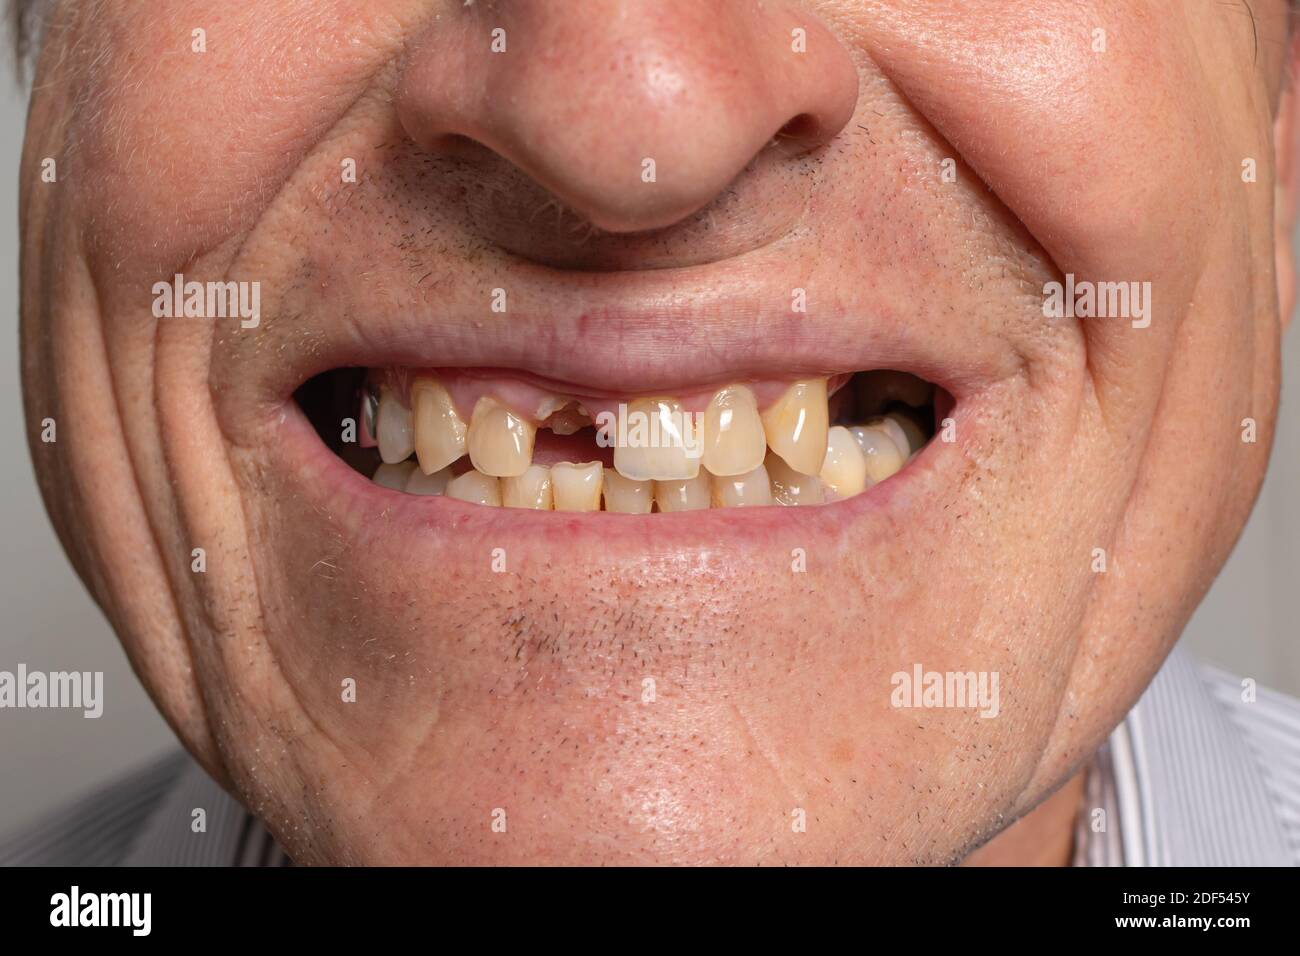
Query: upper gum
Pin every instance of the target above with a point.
(526, 400)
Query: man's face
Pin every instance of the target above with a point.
(836, 188)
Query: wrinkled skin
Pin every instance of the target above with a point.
(524, 691)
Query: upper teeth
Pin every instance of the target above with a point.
(786, 454)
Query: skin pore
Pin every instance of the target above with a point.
(520, 695)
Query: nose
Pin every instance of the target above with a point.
(635, 115)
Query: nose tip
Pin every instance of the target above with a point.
(633, 115)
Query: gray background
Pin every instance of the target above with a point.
(49, 757)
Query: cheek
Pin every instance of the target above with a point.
(201, 114)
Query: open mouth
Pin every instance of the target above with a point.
(505, 439)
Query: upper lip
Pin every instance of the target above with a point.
(630, 334)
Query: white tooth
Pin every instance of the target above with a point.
(790, 487)
(439, 430)
(882, 454)
(844, 473)
(889, 424)
(500, 442)
(577, 487)
(688, 494)
(475, 487)
(796, 426)
(734, 442)
(662, 442)
(626, 496)
(394, 475)
(396, 436)
(912, 431)
(532, 489)
(742, 491)
(421, 484)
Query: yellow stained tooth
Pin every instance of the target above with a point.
(625, 496)
(394, 476)
(844, 473)
(475, 487)
(742, 491)
(658, 441)
(790, 487)
(796, 426)
(421, 484)
(734, 442)
(577, 487)
(439, 430)
(500, 442)
(687, 494)
(394, 433)
(532, 489)
(882, 454)
(890, 425)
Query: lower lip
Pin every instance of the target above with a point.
(366, 511)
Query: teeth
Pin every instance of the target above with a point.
(789, 487)
(393, 429)
(688, 494)
(576, 487)
(394, 476)
(911, 430)
(844, 473)
(882, 454)
(733, 433)
(421, 484)
(891, 426)
(369, 415)
(627, 496)
(742, 491)
(439, 431)
(476, 488)
(796, 426)
(500, 442)
(532, 489)
(659, 435)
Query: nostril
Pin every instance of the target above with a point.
(803, 132)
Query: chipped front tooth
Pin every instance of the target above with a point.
(890, 426)
(658, 441)
(577, 487)
(532, 489)
(395, 475)
(500, 442)
(844, 472)
(393, 429)
(742, 491)
(796, 426)
(626, 496)
(439, 430)
(790, 487)
(881, 452)
(421, 484)
(734, 442)
(476, 488)
(687, 494)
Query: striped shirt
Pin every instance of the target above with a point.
(1199, 773)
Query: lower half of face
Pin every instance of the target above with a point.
(535, 503)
